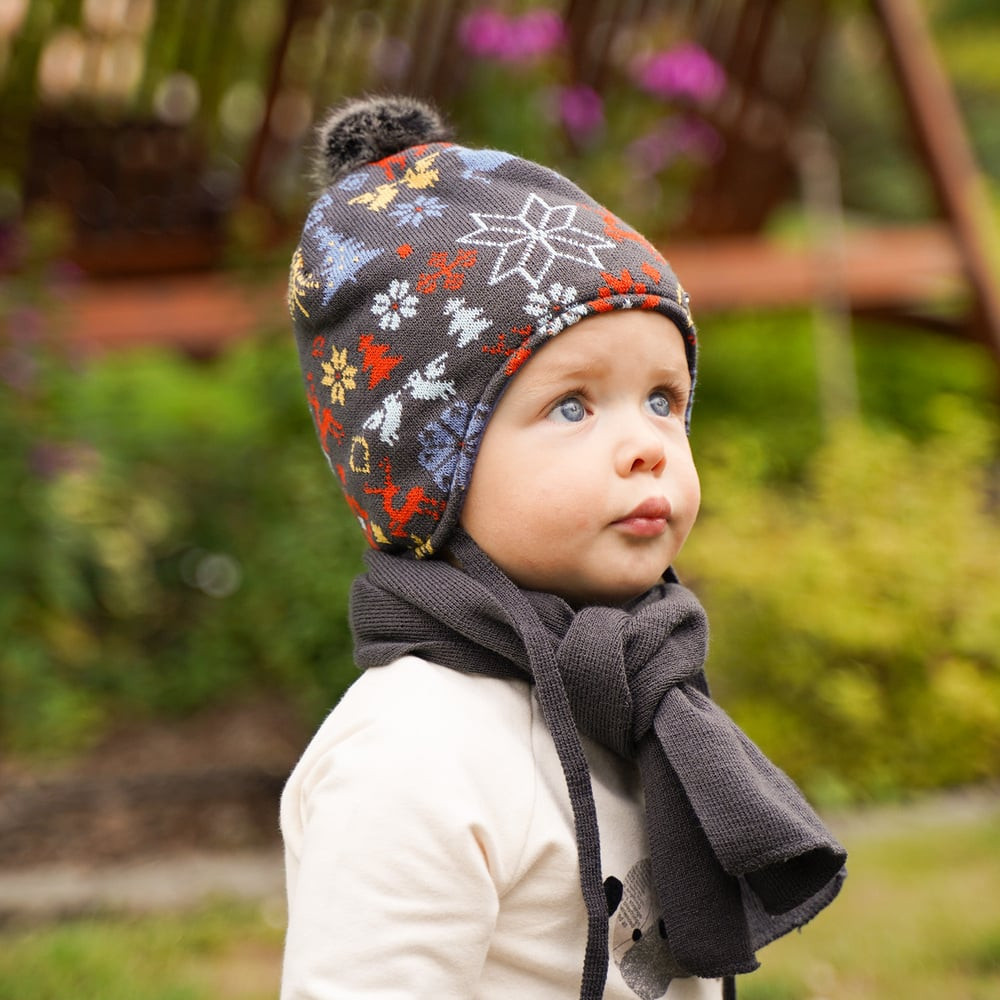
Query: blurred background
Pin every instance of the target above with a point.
(824, 175)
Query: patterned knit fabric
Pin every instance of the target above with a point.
(421, 284)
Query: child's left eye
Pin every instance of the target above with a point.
(659, 403)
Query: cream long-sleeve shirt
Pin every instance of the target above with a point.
(430, 852)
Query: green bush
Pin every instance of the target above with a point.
(856, 618)
(175, 540)
(851, 572)
(172, 538)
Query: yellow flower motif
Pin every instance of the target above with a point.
(300, 284)
(339, 375)
(383, 197)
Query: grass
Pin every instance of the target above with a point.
(225, 951)
(918, 918)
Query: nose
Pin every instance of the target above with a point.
(641, 449)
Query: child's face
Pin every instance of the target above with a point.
(584, 485)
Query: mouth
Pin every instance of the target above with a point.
(648, 519)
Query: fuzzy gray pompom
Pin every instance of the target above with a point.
(366, 129)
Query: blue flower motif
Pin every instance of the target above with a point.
(449, 444)
(412, 213)
(353, 182)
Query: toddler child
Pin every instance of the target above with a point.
(528, 791)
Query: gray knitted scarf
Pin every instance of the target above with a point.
(738, 856)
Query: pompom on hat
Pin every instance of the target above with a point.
(426, 275)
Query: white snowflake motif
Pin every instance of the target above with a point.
(531, 241)
(394, 305)
(555, 309)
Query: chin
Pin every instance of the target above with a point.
(613, 597)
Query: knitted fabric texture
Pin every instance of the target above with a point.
(739, 858)
(421, 284)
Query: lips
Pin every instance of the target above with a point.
(649, 518)
(655, 508)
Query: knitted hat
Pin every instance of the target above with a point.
(426, 275)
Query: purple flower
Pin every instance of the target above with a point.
(481, 32)
(685, 71)
(491, 34)
(581, 110)
(536, 33)
(672, 138)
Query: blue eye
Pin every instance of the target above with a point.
(570, 409)
(659, 403)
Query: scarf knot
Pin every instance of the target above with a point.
(618, 665)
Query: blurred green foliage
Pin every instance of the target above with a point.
(850, 572)
(172, 538)
(857, 617)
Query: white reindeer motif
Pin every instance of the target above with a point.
(387, 417)
(429, 384)
(425, 385)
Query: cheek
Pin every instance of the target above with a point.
(557, 496)
(694, 490)
(686, 473)
(691, 490)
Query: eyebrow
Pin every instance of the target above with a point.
(580, 372)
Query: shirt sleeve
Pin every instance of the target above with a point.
(397, 849)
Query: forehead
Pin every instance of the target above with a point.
(646, 339)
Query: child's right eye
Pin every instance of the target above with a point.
(571, 410)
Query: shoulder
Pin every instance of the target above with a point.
(413, 726)
(410, 685)
(420, 752)
(428, 708)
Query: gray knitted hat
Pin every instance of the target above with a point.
(426, 275)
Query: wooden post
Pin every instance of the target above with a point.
(937, 124)
(253, 172)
